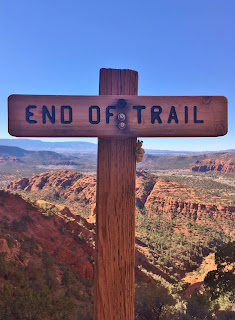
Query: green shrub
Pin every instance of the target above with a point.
(153, 301)
(27, 304)
(19, 226)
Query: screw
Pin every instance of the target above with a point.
(121, 116)
(121, 125)
(121, 103)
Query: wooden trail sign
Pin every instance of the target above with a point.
(116, 114)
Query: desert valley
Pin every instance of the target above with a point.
(185, 230)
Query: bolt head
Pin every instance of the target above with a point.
(121, 125)
(121, 116)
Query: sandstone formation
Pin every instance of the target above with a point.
(67, 237)
(4, 246)
(152, 194)
(7, 159)
(144, 185)
(56, 179)
(214, 165)
(173, 200)
(62, 183)
(61, 235)
(170, 196)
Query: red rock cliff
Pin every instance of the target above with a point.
(216, 165)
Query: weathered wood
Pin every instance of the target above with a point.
(115, 218)
(193, 116)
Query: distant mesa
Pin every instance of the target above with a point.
(214, 165)
(64, 147)
(7, 159)
(10, 154)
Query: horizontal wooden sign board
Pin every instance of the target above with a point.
(117, 116)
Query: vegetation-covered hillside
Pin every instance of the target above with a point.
(47, 232)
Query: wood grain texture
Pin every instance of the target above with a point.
(212, 110)
(115, 219)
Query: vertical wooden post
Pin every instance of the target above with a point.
(115, 218)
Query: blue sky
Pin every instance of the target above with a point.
(178, 47)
